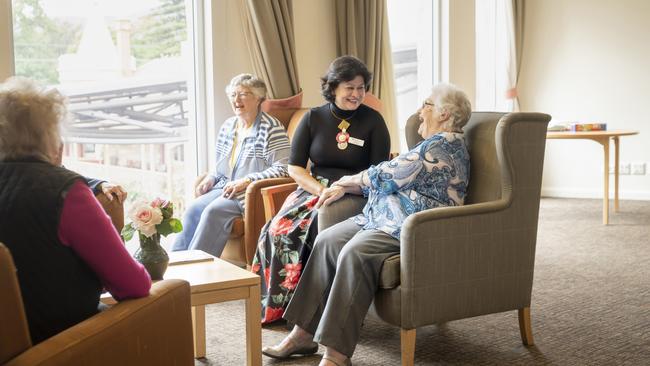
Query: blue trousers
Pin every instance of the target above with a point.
(207, 223)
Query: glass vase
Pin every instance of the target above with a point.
(152, 256)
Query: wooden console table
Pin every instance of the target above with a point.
(601, 137)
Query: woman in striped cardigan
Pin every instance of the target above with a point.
(251, 145)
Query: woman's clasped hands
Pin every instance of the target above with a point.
(233, 187)
(347, 184)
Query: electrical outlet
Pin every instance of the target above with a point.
(624, 169)
(637, 168)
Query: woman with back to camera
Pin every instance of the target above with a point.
(341, 137)
(61, 240)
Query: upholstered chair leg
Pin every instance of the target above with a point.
(525, 327)
(408, 346)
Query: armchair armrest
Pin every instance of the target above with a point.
(198, 180)
(254, 218)
(156, 329)
(273, 198)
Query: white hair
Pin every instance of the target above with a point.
(30, 120)
(252, 82)
(449, 98)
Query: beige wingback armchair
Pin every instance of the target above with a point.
(476, 259)
(153, 330)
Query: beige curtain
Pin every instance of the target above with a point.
(362, 31)
(268, 29)
(515, 32)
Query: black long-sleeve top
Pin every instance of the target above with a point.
(315, 140)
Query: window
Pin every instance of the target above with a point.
(491, 50)
(411, 26)
(127, 70)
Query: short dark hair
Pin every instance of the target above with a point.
(342, 69)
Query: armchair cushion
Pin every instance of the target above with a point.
(389, 275)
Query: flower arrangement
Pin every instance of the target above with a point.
(151, 218)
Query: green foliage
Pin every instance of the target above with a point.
(169, 226)
(127, 232)
(39, 41)
(160, 33)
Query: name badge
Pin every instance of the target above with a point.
(355, 141)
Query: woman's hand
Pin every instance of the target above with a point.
(330, 195)
(351, 181)
(234, 187)
(206, 185)
(110, 189)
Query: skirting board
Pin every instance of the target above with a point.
(597, 194)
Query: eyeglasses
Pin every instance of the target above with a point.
(427, 103)
(241, 95)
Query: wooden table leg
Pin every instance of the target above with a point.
(254, 327)
(616, 174)
(198, 323)
(605, 143)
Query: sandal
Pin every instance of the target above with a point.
(293, 349)
(347, 361)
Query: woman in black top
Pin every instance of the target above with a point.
(341, 137)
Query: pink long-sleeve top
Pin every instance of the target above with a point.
(85, 227)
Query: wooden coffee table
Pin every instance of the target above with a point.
(212, 281)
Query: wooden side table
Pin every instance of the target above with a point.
(213, 280)
(603, 138)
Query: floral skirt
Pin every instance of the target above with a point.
(282, 250)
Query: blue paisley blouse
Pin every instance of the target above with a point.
(434, 173)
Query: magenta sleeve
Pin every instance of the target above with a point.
(87, 229)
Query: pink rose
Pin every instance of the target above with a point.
(159, 202)
(145, 218)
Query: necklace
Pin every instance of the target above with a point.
(343, 136)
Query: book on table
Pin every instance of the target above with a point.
(188, 256)
(577, 127)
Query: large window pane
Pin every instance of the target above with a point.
(126, 68)
(411, 35)
(491, 49)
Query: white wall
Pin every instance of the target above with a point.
(589, 60)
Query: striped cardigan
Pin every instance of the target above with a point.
(264, 153)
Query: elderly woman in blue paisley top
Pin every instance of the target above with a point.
(342, 273)
(251, 145)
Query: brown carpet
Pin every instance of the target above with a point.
(590, 304)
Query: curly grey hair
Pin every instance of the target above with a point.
(256, 85)
(449, 98)
(30, 120)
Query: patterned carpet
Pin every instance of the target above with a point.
(590, 305)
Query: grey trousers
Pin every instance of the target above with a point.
(338, 284)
